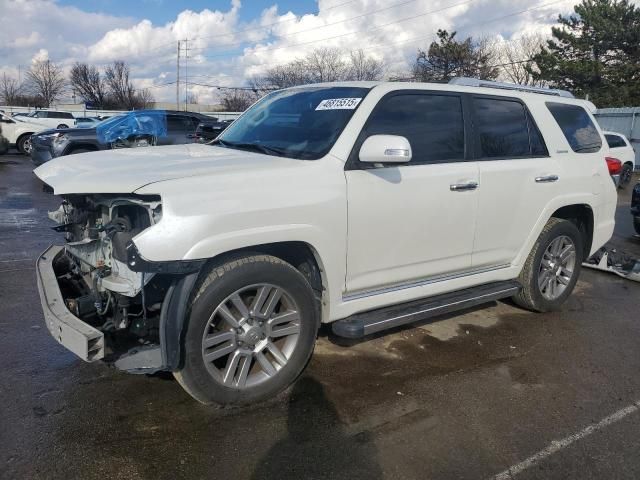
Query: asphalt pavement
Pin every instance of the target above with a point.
(495, 392)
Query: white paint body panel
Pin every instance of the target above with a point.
(16, 128)
(624, 154)
(368, 229)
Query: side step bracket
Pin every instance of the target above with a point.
(365, 323)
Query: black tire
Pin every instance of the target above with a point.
(531, 296)
(24, 144)
(626, 175)
(62, 125)
(636, 224)
(222, 280)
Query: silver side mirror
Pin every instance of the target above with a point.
(385, 149)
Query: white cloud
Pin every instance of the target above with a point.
(223, 50)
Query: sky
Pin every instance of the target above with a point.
(232, 40)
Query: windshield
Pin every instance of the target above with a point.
(299, 122)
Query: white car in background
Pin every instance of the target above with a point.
(621, 148)
(51, 118)
(19, 132)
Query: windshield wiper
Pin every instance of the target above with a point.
(251, 147)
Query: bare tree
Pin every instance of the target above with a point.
(120, 87)
(46, 81)
(325, 65)
(516, 59)
(236, 100)
(10, 90)
(321, 65)
(192, 98)
(143, 98)
(362, 67)
(86, 80)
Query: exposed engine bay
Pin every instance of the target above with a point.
(94, 278)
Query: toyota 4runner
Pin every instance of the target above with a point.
(366, 204)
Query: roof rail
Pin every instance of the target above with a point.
(474, 82)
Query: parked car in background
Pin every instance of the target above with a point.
(141, 128)
(210, 131)
(369, 205)
(51, 118)
(621, 148)
(19, 114)
(635, 207)
(86, 122)
(18, 133)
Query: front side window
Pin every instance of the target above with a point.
(615, 141)
(299, 123)
(505, 129)
(433, 124)
(577, 127)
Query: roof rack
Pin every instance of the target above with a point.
(474, 82)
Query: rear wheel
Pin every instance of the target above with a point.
(552, 267)
(62, 125)
(251, 330)
(24, 144)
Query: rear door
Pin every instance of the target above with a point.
(180, 129)
(409, 222)
(517, 178)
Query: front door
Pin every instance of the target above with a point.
(414, 221)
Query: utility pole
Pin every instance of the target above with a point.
(178, 79)
(186, 73)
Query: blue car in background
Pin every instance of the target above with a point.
(141, 128)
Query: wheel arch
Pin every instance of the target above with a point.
(581, 215)
(173, 318)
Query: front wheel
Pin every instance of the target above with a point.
(250, 333)
(24, 144)
(552, 268)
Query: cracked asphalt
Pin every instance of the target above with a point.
(464, 397)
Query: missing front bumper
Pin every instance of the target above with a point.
(71, 332)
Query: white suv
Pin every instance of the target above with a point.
(18, 132)
(365, 204)
(51, 118)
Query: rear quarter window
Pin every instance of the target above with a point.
(577, 127)
(615, 141)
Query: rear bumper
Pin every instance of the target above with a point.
(71, 332)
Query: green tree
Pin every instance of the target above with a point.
(449, 57)
(595, 52)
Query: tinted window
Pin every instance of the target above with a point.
(179, 123)
(615, 141)
(577, 127)
(503, 128)
(433, 124)
(301, 122)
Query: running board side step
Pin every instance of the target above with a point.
(365, 323)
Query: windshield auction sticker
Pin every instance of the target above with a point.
(338, 104)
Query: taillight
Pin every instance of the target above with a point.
(614, 165)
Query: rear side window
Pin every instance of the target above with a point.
(433, 124)
(505, 130)
(615, 141)
(577, 127)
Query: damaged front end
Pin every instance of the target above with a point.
(101, 299)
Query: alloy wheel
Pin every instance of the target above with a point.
(557, 267)
(251, 335)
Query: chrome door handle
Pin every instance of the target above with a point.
(462, 187)
(547, 179)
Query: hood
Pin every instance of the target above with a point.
(128, 169)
